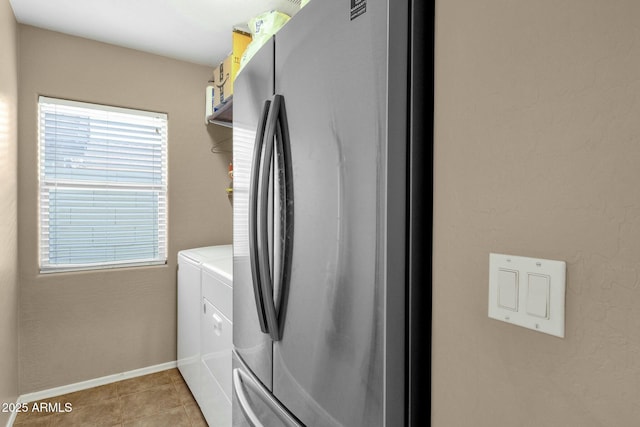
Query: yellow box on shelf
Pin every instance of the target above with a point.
(240, 40)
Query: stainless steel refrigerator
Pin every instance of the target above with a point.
(326, 216)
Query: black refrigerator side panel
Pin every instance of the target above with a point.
(420, 208)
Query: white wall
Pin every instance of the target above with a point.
(79, 326)
(537, 153)
(8, 207)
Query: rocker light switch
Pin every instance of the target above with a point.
(527, 292)
(508, 289)
(538, 295)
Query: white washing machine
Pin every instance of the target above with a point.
(189, 308)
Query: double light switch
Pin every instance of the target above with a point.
(528, 292)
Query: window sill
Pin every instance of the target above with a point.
(102, 267)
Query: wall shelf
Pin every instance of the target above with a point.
(224, 115)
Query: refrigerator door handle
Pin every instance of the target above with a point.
(254, 242)
(266, 279)
(285, 172)
(239, 379)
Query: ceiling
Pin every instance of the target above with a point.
(197, 31)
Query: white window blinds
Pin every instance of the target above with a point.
(103, 186)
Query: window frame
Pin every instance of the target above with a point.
(161, 244)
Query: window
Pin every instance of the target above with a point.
(103, 186)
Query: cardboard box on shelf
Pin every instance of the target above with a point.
(222, 84)
(225, 73)
(220, 92)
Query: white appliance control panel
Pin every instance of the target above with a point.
(528, 292)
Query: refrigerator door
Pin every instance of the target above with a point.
(328, 366)
(252, 87)
(253, 405)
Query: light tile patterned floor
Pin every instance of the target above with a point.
(155, 400)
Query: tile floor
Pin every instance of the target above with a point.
(155, 400)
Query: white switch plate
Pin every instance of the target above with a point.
(539, 269)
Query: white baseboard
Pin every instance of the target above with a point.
(65, 389)
(12, 417)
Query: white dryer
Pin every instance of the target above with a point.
(189, 308)
(216, 340)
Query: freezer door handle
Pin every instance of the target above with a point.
(241, 379)
(254, 246)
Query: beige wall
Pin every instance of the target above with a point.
(537, 153)
(8, 207)
(79, 326)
